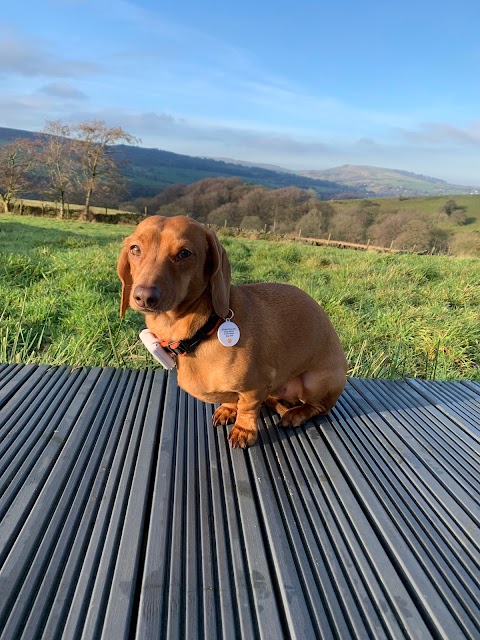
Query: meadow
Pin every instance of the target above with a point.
(397, 315)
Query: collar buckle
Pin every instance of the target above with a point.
(179, 348)
(182, 347)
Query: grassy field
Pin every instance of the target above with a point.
(428, 208)
(397, 315)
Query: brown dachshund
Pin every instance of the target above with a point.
(175, 271)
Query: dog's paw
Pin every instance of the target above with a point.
(225, 414)
(240, 437)
(296, 416)
(291, 420)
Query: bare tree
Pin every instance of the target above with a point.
(17, 159)
(252, 223)
(315, 222)
(60, 160)
(98, 169)
(383, 233)
(350, 226)
(403, 231)
(225, 214)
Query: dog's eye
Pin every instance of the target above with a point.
(135, 250)
(184, 253)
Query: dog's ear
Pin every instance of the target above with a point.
(123, 270)
(221, 275)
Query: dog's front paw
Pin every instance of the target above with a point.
(225, 414)
(240, 437)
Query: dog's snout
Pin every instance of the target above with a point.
(146, 297)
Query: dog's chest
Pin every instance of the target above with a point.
(211, 373)
(208, 385)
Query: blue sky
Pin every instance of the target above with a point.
(304, 85)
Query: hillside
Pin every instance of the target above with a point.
(245, 163)
(385, 183)
(151, 170)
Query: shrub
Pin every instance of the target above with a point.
(405, 231)
(451, 206)
(465, 244)
(252, 222)
(415, 237)
(311, 224)
(225, 215)
(350, 226)
(459, 216)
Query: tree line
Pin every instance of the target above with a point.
(229, 202)
(65, 163)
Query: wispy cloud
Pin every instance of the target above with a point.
(22, 111)
(445, 133)
(63, 90)
(185, 135)
(27, 57)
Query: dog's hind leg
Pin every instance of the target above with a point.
(296, 416)
(320, 393)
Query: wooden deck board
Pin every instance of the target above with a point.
(125, 514)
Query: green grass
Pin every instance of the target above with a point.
(397, 315)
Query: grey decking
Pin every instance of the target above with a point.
(123, 513)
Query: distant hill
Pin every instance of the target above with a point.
(386, 183)
(375, 181)
(246, 163)
(7, 135)
(151, 170)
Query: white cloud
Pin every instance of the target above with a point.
(63, 90)
(445, 133)
(24, 57)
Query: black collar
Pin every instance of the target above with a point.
(182, 347)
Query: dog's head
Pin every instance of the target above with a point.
(169, 263)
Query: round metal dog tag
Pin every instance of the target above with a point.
(228, 333)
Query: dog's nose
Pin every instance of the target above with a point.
(146, 297)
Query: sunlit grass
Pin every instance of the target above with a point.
(397, 315)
